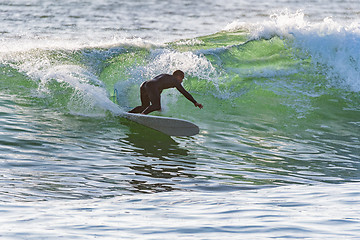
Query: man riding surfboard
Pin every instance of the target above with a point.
(150, 92)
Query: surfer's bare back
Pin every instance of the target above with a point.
(150, 92)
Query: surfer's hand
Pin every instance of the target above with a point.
(199, 105)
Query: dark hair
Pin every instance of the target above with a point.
(179, 73)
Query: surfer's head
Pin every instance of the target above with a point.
(179, 75)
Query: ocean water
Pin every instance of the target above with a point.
(278, 153)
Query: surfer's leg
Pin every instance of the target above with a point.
(145, 100)
(154, 96)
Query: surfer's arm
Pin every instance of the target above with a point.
(186, 94)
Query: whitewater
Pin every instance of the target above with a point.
(277, 155)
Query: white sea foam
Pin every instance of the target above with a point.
(26, 44)
(90, 96)
(333, 45)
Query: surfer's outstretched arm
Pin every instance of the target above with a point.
(186, 94)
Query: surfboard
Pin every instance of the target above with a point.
(167, 125)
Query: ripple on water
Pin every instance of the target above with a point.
(326, 211)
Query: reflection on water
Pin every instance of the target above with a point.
(158, 159)
(151, 143)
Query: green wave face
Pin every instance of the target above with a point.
(274, 82)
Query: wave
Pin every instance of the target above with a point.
(283, 65)
(330, 44)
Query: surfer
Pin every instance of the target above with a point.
(150, 92)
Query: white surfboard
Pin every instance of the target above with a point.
(167, 125)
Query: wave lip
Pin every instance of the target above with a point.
(331, 45)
